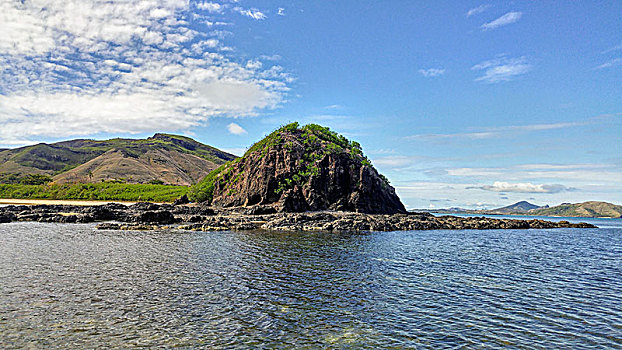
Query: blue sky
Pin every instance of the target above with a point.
(469, 104)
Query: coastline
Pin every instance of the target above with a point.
(151, 216)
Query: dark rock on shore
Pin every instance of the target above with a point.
(157, 217)
(181, 200)
(150, 216)
(7, 217)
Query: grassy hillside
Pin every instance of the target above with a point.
(99, 191)
(162, 158)
(586, 209)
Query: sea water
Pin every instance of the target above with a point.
(72, 286)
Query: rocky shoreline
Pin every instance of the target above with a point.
(150, 216)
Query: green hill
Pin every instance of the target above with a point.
(586, 209)
(162, 158)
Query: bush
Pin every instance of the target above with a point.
(35, 179)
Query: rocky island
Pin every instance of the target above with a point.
(305, 178)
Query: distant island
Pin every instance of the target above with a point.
(591, 209)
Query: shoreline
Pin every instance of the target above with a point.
(77, 202)
(151, 216)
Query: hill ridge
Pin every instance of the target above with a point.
(65, 161)
(584, 209)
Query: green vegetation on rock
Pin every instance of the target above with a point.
(204, 190)
(316, 140)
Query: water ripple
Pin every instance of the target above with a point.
(72, 286)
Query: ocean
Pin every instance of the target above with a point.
(72, 286)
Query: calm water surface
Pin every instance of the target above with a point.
(71, 286)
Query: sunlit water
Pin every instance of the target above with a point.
(71, 286)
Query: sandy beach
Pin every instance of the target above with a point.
(57, 202)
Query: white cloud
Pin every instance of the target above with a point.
(270, 57)
(395, 161)
(82, 67)
(254, 64)
(527, 187)
(502, 69)
(467, 135)
(474, 172)
(335, 106)
(506, 19)
(236, 151)
(477, 10)
(236, 129)
(610, 63)
(281, 11)
(504, 131)
(583, 174)
(432, 72)
(21, 31)
(210, 6)
(252, 13)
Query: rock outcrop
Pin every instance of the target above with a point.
(149, 216)
(298, 169)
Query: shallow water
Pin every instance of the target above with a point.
(73, 286)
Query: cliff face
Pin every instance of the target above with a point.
(298, 169)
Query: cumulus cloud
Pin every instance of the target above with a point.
(281, 11)
(477, 10)
(236, 129)
(502, 69)
(432, 72)
(524, 187)
(506, 19)
(81, 67)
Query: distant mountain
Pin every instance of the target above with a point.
(586, 209)
(162, 158)
(520, 207)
